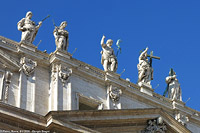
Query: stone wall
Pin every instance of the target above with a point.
(41, 83)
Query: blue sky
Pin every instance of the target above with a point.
(171, 29)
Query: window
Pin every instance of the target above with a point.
(87, 103)
(83, 106)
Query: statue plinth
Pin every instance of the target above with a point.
(177, 103)
(109, 76)
(63, 53)
(28, 46)
(146, 88)
(58, 55)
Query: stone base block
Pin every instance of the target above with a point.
(64, 54)
(28, 46)
(146, 88)
(177, 103)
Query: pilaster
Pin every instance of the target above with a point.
(114, 91)
(60, 89)
(30, 47)
(27, 82)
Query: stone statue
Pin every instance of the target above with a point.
(108, 58)
(61, 36)
(174, 90)
(145, 71)
(29, 28)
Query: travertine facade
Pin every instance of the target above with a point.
(50, 92)
(55, 92)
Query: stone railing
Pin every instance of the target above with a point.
(93, 70)
(161, 98)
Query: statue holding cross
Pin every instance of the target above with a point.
(145, 70)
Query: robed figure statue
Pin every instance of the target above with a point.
(29, 28)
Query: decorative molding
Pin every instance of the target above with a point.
(27, 65)
(155, 126)
(2, 74)
(53, 72)
(7, 82)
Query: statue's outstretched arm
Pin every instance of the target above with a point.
(143, 53)
(39, 25)
(20, 24)
(55, 33)
(102, 41)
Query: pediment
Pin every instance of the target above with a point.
(133, 120)
(8, 61)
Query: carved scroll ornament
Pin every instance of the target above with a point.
(115, 93)
(27, 66)
(64, 74)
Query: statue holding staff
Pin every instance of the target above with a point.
(29, 28)
(173, 86)
(61, 36)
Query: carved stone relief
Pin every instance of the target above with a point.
(60, 72)
(53, 72)
(27, 66)
(5, 85)
(155, 126)
(115, 93)
(183, 119)
(7, 81)
(64, 74)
